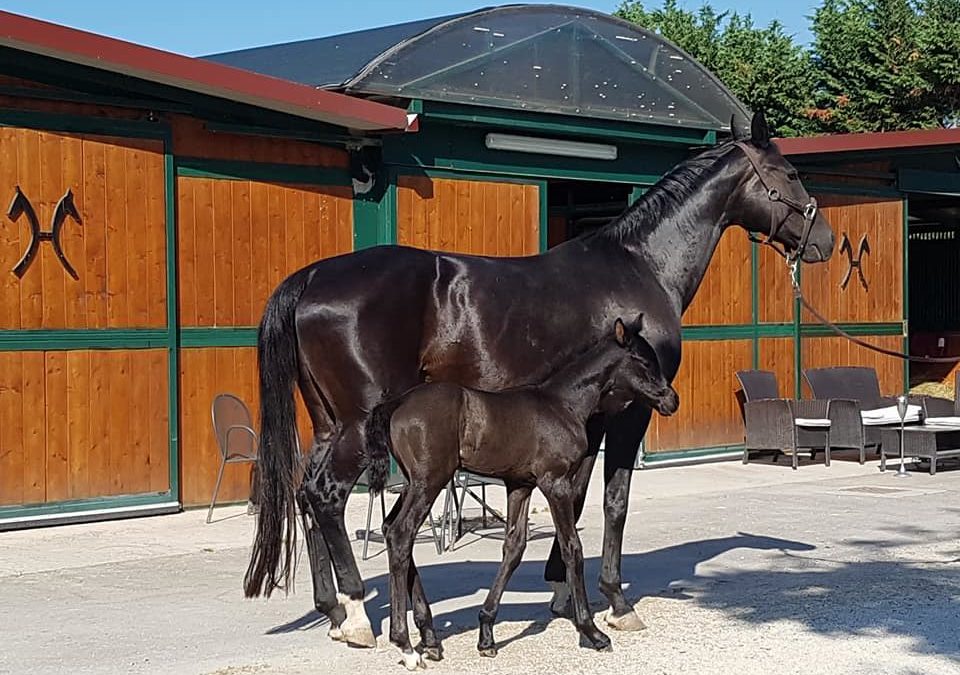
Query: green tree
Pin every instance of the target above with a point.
(763, 67)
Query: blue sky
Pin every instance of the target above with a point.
(206, 26)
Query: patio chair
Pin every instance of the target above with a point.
(773, 423)
(236, 439)
(395, 483)
(860, 385)
(453, 505)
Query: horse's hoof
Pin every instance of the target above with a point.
(561, 606)
(489, 652)
(335, 633)
(412, 660)
(433, 653)
(628, 622)
(359, 636)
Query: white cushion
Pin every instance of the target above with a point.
(889, 415)
(821, 422)
(943, 421)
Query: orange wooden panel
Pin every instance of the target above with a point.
(881, 221)
(206, 372)
(117, 187)
(76, 424)
(465, 216)
(777, 355)
(709, 415)
(191, 139)
(775, 290)
(239, 239)
(724, 296)
(822, 352)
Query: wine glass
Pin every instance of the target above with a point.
(902, 412)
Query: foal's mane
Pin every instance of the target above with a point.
(668, 195)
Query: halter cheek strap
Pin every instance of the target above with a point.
(808, 211)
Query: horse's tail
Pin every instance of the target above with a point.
(377, 444)
(279, 454)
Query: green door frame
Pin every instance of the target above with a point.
(25, 515)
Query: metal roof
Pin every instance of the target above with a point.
(867, 142)
(196, 75)
(546, 58)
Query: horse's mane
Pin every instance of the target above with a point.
(667, 195)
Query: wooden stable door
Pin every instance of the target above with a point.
(468, 216)
(83, 317)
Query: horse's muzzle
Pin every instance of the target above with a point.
(668, 402)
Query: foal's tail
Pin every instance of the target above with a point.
(279, 454)
(377, 444)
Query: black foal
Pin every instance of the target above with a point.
(530, 437)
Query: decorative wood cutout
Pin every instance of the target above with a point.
(65, 207)
(854, 263)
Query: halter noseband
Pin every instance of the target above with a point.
(808, 211)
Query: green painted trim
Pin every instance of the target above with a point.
(797, 343)
(759, 331)
(191, 337)
(905, 275)
(704, 333)
(755, 301)
(311, 135)
(80, 505)
(490, 169)
(928, 182)
(193, 167)
(82, 124)
(546, 123)
(670, 455)
(71, 339)
(466, 174)
(387, 221)
(173, 349)
(64, 95)
(544, 216)
(818, 330)
(853, 190)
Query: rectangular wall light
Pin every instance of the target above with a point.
(550, 146)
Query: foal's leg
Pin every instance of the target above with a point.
(327, 489)
(555, 571)
(560, 496)
(400, 535)
(514, 543)
(623, 441)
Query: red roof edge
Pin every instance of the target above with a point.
(866, 142)
(197, 75)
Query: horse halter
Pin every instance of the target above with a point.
(808, 211)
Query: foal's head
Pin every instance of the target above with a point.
(638, 375)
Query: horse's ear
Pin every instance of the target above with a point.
(620, 332)
(759, 131)
(639, 322)
(733, 129)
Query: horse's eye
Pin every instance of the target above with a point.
(793, 175)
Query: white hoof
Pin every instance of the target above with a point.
(629, 622)
(412, 660)
(356, 629)
(560, 605)
(335, 633)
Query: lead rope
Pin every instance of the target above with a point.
(794, 266)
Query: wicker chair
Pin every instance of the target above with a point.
(859, 388)
(772, 423)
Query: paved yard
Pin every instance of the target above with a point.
(755, 569)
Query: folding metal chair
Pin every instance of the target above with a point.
(395, 483)
(236, 439)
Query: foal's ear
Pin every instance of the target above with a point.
(620, 332)
(759, 131)
(639, 323)
(734, 131)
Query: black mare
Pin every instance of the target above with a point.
(358, 328)
(530, 437)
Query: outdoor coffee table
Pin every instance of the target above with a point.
(927, 441)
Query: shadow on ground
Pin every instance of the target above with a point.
(919, 600)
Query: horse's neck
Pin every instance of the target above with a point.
(679, 245)
(580, 383)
